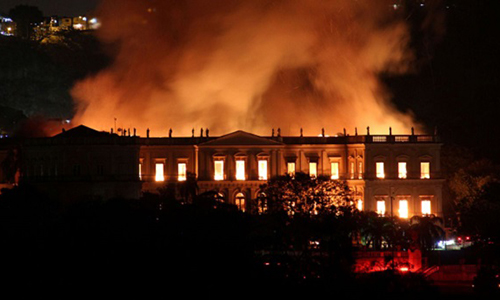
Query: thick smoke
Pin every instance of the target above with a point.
(251, 65)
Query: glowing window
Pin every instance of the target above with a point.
(360, 170)
(380, 170)
(219, 170)
(262, 169)
(290, 168)
(402, 172)
(403, 209)
(181, 172)
(262, 203)
(335, 170)
(352, 170)
(426, 207)
(240, 201)
(240, 170)
(359, 205)
(425, 170)
(313, 169)
(160, 172)
(140, 171)
(381, 207)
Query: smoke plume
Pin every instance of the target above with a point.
(251, 65)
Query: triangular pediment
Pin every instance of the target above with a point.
(241, 138)
(82, 131)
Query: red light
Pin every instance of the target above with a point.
(467, 238)
(459, 238)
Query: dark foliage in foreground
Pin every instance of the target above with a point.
(157, 244)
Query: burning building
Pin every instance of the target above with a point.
(396, 175)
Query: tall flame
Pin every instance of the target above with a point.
(250, 65)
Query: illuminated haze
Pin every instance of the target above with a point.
(250, 65)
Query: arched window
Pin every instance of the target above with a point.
(219, 197)
(240, 201)
(261, 203)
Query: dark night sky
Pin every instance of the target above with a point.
(53, 7)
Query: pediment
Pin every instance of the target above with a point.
(81, 131)
(241, 138)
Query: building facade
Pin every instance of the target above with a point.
(397, 175)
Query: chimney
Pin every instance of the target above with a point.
(201, 132)
(368, 130)
(170, 133)
(279, 132)
(356, 131)
(301, 132)
(390, 130)
(345, 133)
(192, 133)
(272, 133)
(206, 131)
(147, 133)
(135, 132)
(412, 131)
(323, 132)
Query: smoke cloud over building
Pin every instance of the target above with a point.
(250, 65)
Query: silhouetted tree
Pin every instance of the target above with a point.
(428, 230)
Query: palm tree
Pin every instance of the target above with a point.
(374, 230)
(427, 231)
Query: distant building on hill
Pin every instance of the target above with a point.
(7, 26)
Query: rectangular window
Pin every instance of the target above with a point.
(160, 172)
(313, 169)
(263, 169)
(381, 207)
(181, 172)
(140, 171)
(352, 170)
(402, 172)
(240, 170)
(360, 170)
(403, 209)
(425, 170)
(426, 207)
(380, 170)
(359, 205)
(290, 168)
(219, 170)
(335, 170)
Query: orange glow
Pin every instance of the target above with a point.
(313, 169)
(426, 207)
(380, 170)
(318, 59)
(402, 173)
(159, 175)
(290, 167)
(219, 170)
(181, 172)
(240, 170)
(335, 170)
(381, 207)
(425, 170)
(262, 169)
(359, 205)
(403, 209)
